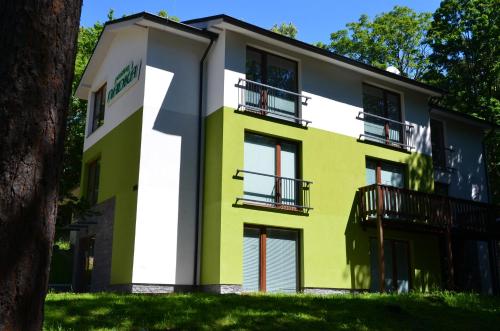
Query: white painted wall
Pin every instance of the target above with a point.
(468, 181)
(336, 92)
(128, 45)
(166, 220)
(215, 62)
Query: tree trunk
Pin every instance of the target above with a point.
(37, 43)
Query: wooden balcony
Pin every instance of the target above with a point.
(392, 207)
(412, 210)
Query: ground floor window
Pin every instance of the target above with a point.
(270, 259)
(397, 265)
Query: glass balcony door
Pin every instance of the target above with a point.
(271, 167)
(276, 72)
(385, 106)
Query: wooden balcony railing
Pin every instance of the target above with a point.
(434, 212)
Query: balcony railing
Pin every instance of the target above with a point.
(274, 191)
(432, 211)
(386, 131)
(271, 101)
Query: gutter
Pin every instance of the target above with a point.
(200, 164)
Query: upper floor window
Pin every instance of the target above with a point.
(271, 84)
(382, 116)
(438, 146)
(92, 189)
(98, 108)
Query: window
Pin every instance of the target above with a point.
(385, 173)
(270, 260)
(441, 188)
(98, 108)
(437, 141)
(93, 170)
(270, 171)
(397, 266)
(267, 71)
(382, 117)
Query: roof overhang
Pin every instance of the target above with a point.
(297, 46)
(439, 112)
(140, 20)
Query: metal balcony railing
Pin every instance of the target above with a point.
(274, 191)
(386, 131)
(271, 101)
(403, 206)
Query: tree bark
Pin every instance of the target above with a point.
(37, 43)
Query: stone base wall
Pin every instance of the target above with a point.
(328, 291)
(102, 231)
(222, 288)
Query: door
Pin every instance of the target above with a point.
(270, 260)
(397, 266)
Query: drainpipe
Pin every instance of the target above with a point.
(200, 163)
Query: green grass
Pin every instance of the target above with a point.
(105, 311)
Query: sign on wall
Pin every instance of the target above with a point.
(125, 79)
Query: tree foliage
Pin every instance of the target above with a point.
(164, 14)
(395, 38)
(465, 41)
(285, 29)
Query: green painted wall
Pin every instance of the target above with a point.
(334, 249)
(119, 151)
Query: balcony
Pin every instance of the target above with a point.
(386, 131)
(402, 208)
(263, 190)
(265, 100)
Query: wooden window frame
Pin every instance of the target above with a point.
(263, 257)
(263, 60)
(98, 108)
(277, 169)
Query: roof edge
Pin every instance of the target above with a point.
(315, 49)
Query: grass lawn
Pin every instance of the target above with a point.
(104, 311)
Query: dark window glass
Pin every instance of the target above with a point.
(441, 188)
(437, 141)
(93, 171)
(98, 108)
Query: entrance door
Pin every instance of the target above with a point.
(397, 266)
(270, 260)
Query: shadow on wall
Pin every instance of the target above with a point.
(420, 173)
(173, 121)
(357, 248)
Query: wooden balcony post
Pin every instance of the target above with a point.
(449, 248)
(380, 239)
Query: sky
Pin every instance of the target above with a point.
(314, 19)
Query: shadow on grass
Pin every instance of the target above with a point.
(271, 312)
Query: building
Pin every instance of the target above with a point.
(223, 157)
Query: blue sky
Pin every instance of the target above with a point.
(314, 19)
